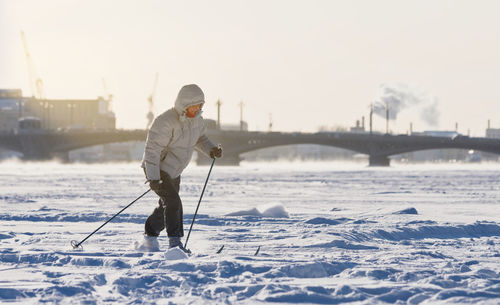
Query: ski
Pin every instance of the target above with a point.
(221, 248)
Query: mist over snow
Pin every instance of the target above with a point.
(327, 233)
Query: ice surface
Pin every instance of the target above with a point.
(329, 233)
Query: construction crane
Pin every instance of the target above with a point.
(150, 116)
(36, 83)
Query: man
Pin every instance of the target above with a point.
(171, 140)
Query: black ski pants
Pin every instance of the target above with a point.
(169, 210)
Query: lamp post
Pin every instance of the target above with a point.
(270, 122)
(20, 105)
(241, 104)
(49, 107)
(371, 118)
(71, 108)
(218, 113)
(42, 113)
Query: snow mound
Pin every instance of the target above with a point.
(342, 245)
(273, 211)
(175, 254)
(6, 236)
(412, 211)
(315, 269)
(276, 211)
(326, 221)
(251, 212)
(475, 230)
(393, 192)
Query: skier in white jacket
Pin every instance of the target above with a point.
(171, 140)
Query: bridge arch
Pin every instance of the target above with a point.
(298, 151)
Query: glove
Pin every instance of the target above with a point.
(216, 152)
(155, 185)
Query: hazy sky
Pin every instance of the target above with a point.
(309, 63)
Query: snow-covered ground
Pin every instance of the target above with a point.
(328, 233)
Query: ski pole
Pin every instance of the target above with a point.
(199, 201)
(77, 244)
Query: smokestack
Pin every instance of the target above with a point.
(387, 118)
(456, 127)
(411, 128)
(488, 124)
(371, 118)
(363, 122)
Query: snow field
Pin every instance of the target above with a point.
(329, 233)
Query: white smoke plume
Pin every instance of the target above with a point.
(430, 114)
(398, 97)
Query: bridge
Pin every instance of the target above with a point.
(40, 145)
(44, 144)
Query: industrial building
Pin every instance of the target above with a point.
(55, 114)
(493, 133)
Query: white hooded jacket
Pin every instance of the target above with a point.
(173, 137)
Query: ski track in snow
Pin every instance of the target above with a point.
(329, 234)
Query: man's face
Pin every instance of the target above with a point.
(192, 111)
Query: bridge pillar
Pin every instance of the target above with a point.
(62, 156)
(34, 147)
(232, 160)
(379, 161)
(40, 156)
